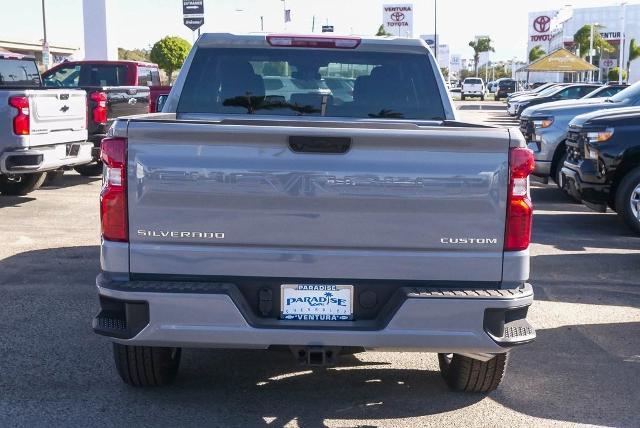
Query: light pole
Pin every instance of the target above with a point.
(591, 50)
(623, 10)
(284, 13)
(435, 25)
(46, 57)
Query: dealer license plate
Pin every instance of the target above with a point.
(316, 302)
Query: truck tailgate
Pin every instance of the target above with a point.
(218, 199)
(57, 115)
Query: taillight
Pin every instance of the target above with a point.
(21, 121)
(313, 42)
(519, 208)
(99, 112)
(113, 196)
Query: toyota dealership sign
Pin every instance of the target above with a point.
(540, 30)
(398, 19)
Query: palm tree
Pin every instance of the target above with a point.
(634, 53)
(479, 46)
(536, 53)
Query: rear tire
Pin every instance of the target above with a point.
(21, 184)
(467, 374)
(628, 200)
(90, 170)
(462, 97)
(145, 365)
(481, 97)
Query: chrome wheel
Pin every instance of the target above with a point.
(635, 202)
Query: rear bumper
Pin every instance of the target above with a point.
(181, 315)
(45, 158)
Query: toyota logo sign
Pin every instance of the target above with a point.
(397, 16)
(542, 24)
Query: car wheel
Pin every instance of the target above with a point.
(462, 373)
(90, 170)
(497, 97)
(146, 365)
(462, 97)
(628, 200)
(481, 97)
(21, 184)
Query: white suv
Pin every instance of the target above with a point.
(473, 87)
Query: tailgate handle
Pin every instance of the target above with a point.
(305, 144)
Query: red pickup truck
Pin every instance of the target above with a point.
(114, 89)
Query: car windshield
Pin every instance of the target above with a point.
(338, 83)
(14, 73)
(543, 87)
(552, 90)
(631, 93)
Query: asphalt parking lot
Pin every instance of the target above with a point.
(583, 368)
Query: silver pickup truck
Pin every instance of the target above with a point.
(40, 129)
(324, 222)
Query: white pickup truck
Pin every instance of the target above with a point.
(473, 87)
(40, 129)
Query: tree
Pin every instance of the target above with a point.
(536, 53)
(634, 53)
(170, 53)
(383, 32)
(614, 74)
(134, 54)
(583, 36)
(479, 46)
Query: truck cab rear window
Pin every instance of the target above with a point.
(18, 73)
(291, 82)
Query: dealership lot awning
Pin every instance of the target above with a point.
(561, 60)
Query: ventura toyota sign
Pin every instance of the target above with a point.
(398, 19)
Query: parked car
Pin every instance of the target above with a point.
(531, 91)
(473, 87)
(555, 93)
(545, 126)
(602, 167)
(41, 130)
(114, 89)
(341, 88)
(287, 87)
(505, 87)
(234, 222)
(605, 91)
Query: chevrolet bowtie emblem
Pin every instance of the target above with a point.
(64, 109)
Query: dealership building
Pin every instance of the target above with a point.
(554, 29)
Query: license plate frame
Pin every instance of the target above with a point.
(311, 302)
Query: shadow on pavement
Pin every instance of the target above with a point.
(69, 180)
(12, 201)
(568, 375)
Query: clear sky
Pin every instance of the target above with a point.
(140, 23)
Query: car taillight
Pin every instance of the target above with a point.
(113, 196)
(21, 121)
(519, 208)
(313, 42)
(100, 109)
